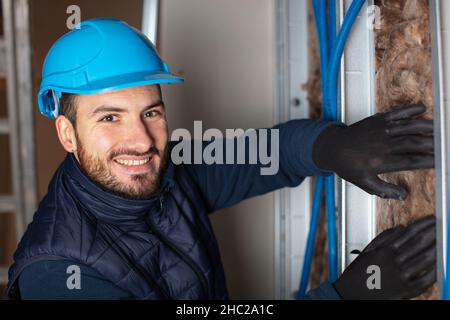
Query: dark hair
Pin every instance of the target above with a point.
(68, 107)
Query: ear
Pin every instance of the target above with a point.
(66, 134)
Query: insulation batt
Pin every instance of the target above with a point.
(403, 76)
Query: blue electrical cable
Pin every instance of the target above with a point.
(335, 61)
(317, 201)
(331, 229)
(329, 180)
(321, 25)
(331, 25)
(331, 49)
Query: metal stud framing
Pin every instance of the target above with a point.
(440, 33)
(357, 211)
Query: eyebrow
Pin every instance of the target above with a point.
(104, 108)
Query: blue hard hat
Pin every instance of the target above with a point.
(101, 55)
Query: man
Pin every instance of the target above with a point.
(122, 221)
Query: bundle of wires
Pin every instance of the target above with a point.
(331, 47)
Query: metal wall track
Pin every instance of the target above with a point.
(440, 33)
(357, 211)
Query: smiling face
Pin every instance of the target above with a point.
(120, 139)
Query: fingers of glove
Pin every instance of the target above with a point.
(407, 162)
(415, 267)
(417, 244)
(406, 127)
(422, 283)
(412, 144)
(404, 112)
(383, 189)
(384, 237)
(414, 230)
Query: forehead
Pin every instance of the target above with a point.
(136, 97)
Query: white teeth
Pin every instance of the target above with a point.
(133, 162)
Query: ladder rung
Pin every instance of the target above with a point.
(4, 126)
(3, 275)
(7, 204)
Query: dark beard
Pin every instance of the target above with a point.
(101, 174)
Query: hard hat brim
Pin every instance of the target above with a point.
(118, 83)
(105, 85)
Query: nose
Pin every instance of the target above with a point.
(137, 136)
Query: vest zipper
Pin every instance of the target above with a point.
(188, 260)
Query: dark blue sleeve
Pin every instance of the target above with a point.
(47, 280)
(224, 185)
(326, 291)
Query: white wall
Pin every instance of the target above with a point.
(225, 51)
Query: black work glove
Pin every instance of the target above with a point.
(406, 257)
(385, 142)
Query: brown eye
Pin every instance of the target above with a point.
(151, 114)
(109, 118)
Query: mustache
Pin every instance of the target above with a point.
(130, 152)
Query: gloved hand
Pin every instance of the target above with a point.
(385, 142)
(406, 258)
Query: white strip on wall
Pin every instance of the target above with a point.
(150, 20)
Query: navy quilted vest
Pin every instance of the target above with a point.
(160, 248)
